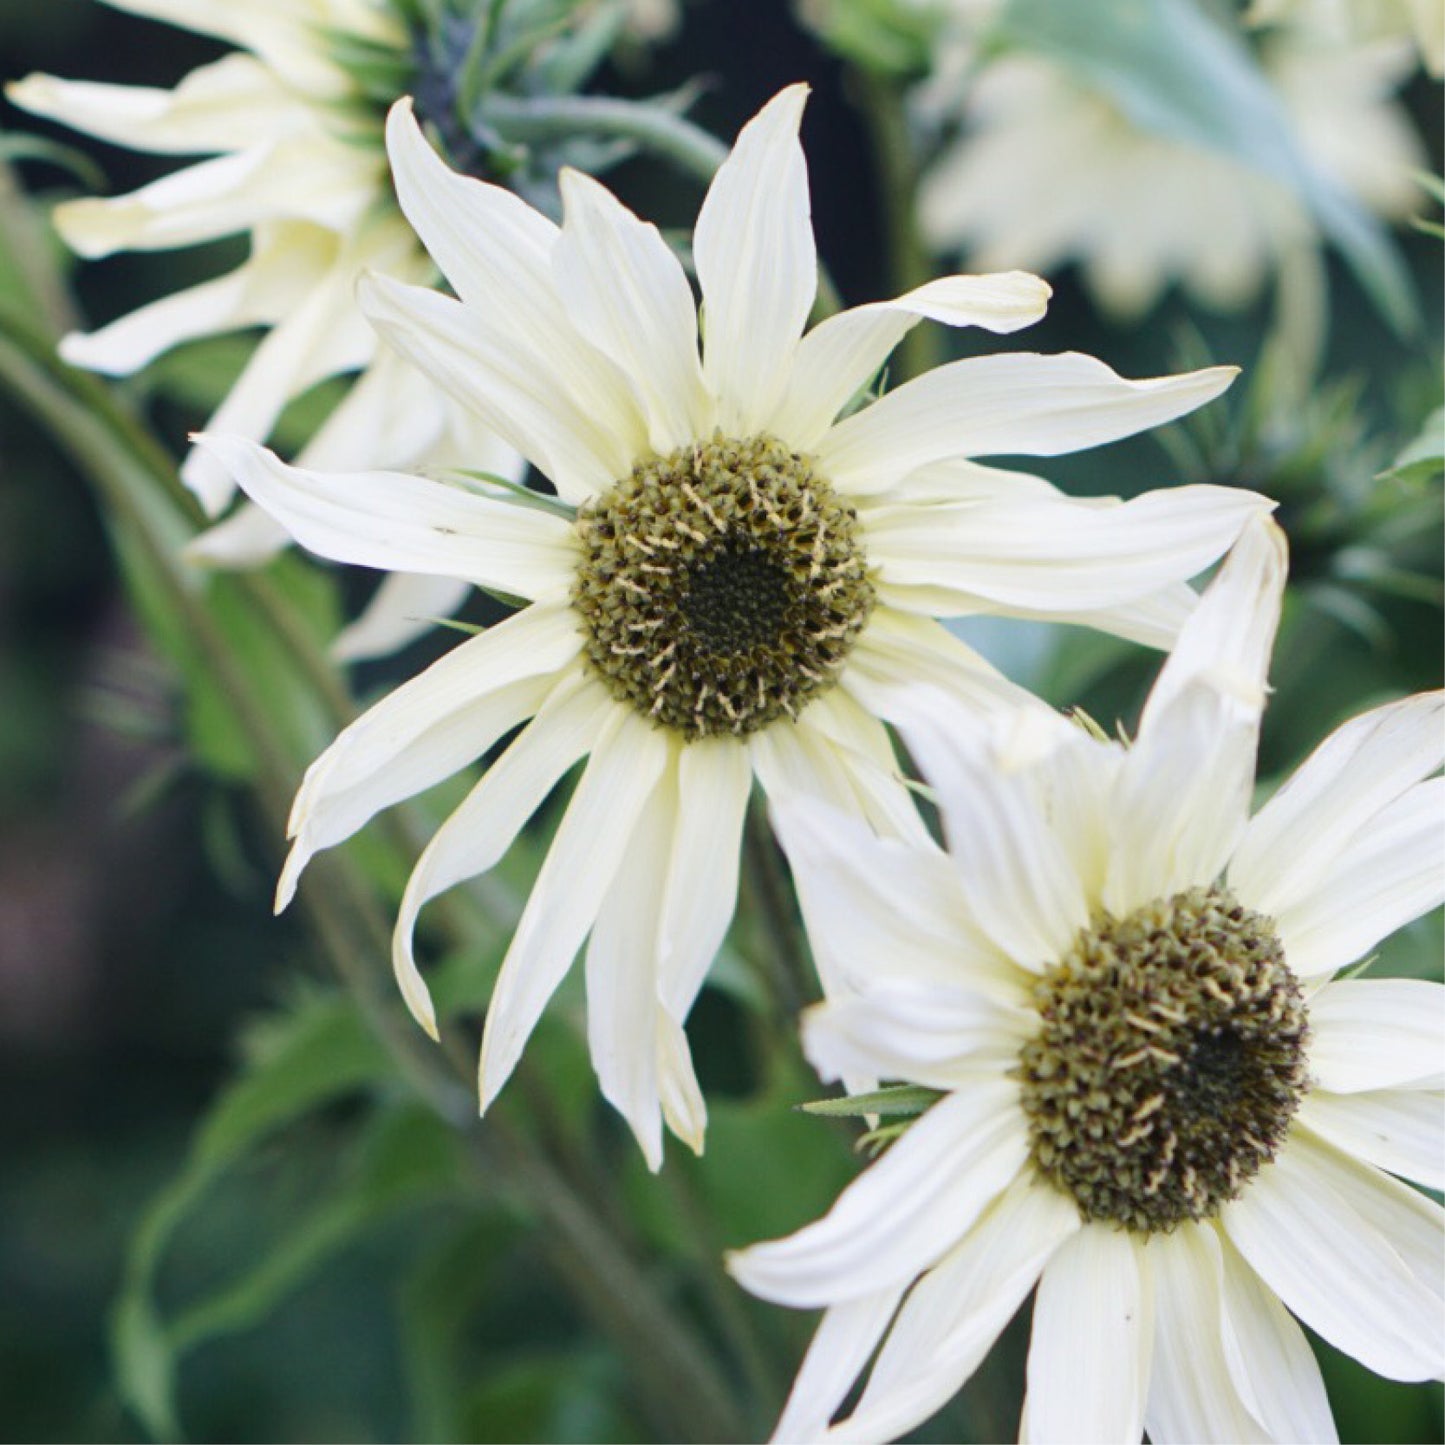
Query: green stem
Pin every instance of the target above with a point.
(909, 263)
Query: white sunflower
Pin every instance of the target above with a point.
(295, 161)
(731, 583)
(1156, 1102)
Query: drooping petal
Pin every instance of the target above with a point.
(841, 354)
(1089, 1357)
(628, 757)
(900, 1215)
(757, 265)
(1390, 873)
(477, 834)
(427, 729)
(403, 523)
(1053, 555)
(1399, 1130)
(626, 292)
(956, 1311)
(1192, 1391)
(845, 1339)
(1017, 403)
(1362, 767)
(1377, 1033)
(406, 606)
(1367, 1279)
(249, 537)
(1183, 792)
(1273, 1366)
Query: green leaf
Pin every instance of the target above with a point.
(905, 1099)
(19, 146)
(1175, 72)
(1424, 458)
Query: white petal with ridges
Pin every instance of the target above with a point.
(628, 757)
(1377, 1033)
(757, 265)
(904, 1210)
(1089, 1357)
(1398, 1130)
(403, 523)
(841, 354)
(1339, 1270)
(1359, 769)
(1019, 403)
(406, 606)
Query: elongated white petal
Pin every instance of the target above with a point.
(1399, 1130)
(1273, 1367)
(1089, 1357)
(627, 759)
(1182, 797)
(622, 969)
(1192, 1392)
(1359, 769)
(406, 606)
(933, 1034)
(1367, 1279)
(757, 264)
(900, 1215)
(1390, 873)
(955, 1312)
(427, 729)
(1377, 1033)
(1053, 555)
(840, 355)
(497, 252)
(532, 408)
(481, 829)
(1019, 879)
(1019, 403)
(845, 1339)
(403, 523)
(228, 105)
(249, 537)
(626, 292)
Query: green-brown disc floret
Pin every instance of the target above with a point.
(722, 586)
(1170, 1062)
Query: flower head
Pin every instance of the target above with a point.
(1156, 1102)
(731, 583)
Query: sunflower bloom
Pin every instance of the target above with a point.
(731, 582)
(1157, 1103)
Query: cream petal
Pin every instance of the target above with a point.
(622, 968)
(1377, 1033)
(428, 728)
(628, 757)
(1362, 767)
(955, 1312)
(904, 1210)
(1089, 1357)
(249, 537)
(1399, 1130)
(1192, 1392)
(627, 293)
(684, 1110)
(845, 1339)
(840, 355)
(497, 252)
(1272, 1365)
(231, 104)
(1018, 403)
(474, 838)
(532, 408)
(1053, 556)
(1346, 1272)
(1389, 874)
(757, 265)
(944, 1037)
(1183, 792)
(403, 523)
(406, 606)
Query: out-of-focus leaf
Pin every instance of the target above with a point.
(1425, 456)
(20, 146)
(1176, 72)
(881, 36)
(548, 1397)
